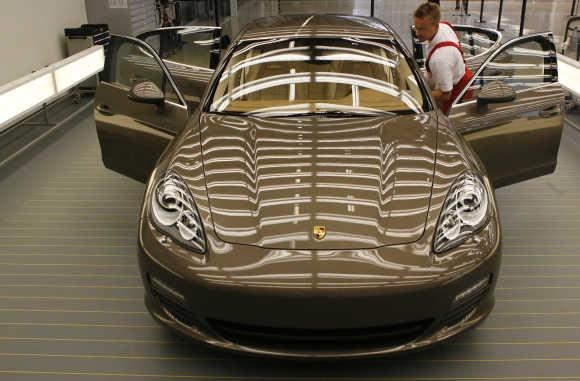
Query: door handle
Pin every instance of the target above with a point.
(104, 109)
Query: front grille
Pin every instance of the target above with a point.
(459, 311)
(319, 339)
(296, 338)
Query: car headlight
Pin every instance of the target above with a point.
(465, 211)
(174, 212)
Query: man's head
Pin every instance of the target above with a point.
(426, 20)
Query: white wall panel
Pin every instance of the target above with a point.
(32, 34)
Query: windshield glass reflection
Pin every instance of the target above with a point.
(309, 76)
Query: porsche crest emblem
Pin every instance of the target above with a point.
(319, 232)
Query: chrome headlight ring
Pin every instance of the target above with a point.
(174, 212)
(465, 210)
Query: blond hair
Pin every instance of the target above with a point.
(428, 10)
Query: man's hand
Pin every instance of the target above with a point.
(440, 96)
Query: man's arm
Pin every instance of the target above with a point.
(440, 96)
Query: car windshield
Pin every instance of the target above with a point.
(309, 76)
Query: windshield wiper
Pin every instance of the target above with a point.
(329, 114)
(333, 114)
(235, 113)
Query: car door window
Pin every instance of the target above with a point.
(189, 46)
(154, 41)
(195, 49)
(474, 42)
(522, 66)
(190, 54)
(136, 65)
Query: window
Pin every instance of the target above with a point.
(134, 64)
(473, 43)
(192, 48)
(521, 65)
(304, 75)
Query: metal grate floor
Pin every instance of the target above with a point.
(71, 301)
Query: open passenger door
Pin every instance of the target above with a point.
(512, 110)
(138, 108)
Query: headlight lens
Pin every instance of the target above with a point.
(465, 211)
(174, 212)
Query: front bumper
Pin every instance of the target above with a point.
(313, 321)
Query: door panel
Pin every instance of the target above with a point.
(190, 53)
(132, 135)
(519, 139)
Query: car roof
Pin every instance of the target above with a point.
(316, 26)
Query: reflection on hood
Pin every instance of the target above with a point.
(366, 181)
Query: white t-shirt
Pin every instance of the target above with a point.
(446, 64)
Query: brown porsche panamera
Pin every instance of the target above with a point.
(304, 196)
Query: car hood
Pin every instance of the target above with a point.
(272, 181)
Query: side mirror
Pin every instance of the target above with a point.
(494, 92)
(147, 92)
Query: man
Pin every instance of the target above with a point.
(446, 70)
(167, 14)
(464, 5)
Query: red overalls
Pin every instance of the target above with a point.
(459, 86)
